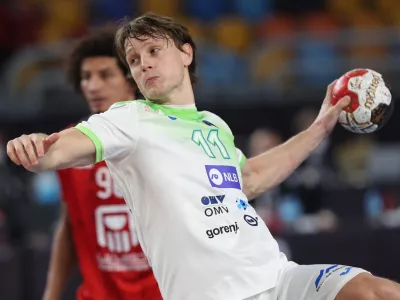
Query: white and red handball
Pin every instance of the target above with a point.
(371, 104)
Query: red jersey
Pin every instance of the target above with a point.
(111, 261)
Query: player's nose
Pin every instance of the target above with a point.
(94, 84)
(146, 64)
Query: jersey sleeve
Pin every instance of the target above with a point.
(241, 157)
(114, 132)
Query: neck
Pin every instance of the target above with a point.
(182, 95)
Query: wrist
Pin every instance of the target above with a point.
(317, 132)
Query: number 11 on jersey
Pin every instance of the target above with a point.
(212, 139)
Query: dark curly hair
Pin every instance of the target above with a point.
(155, 26)
(98, 43)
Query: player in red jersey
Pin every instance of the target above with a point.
(95, 228)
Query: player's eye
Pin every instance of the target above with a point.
(85, 76)
(106, 75)
(154, 50)
(134, 61)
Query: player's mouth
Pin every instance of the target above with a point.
(151, 79)
(98, 100)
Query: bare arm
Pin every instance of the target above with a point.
(63, 258)
(270, 168)
(39, 152)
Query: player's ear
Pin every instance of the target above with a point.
(187, 54)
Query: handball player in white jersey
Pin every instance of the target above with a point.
(188, 185)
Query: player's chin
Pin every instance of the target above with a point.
(155, 97)
(97, 108)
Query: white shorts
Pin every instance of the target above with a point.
(309, 282)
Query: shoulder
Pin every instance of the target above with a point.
(123, 105)
(137, 106)
(215, 120)
(119, 112)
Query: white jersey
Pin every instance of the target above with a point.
(179, 171)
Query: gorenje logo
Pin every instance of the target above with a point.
(211, 233)
(214, 205)
(223, 177)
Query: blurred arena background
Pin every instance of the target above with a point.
(263, 67)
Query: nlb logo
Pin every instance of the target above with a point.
(214, 205)
(223, 177)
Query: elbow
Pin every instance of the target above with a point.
(258, 183)
(251, 188)
(251, 192)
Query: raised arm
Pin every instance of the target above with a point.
(269, 169)
(38, 152)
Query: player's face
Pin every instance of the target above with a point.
(158, 67)
(103, 83)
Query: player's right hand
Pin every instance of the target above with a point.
(27, 149)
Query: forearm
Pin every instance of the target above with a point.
(274, 166)
(48, 162)
(72, 149)
(45, 162)
(63, 260)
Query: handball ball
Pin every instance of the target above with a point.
(371, 102)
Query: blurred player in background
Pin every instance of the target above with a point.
(96, 227)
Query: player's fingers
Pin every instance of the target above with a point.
(29, 148)
(37, 141)
(51, 139)
(332, 84)
(330, 88)
(328, 96)
(342, 103)
(12, 154)
(21, 153)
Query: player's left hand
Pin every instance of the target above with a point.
(329, 114)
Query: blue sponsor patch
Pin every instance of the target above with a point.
(241, 204)
(223, 177)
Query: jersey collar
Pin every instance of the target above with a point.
(180, 112)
